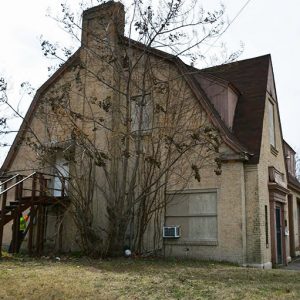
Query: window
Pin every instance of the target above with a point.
(266, 226)
(61, 170)
(141, 113)
(196, 214)
(291, 163)
(271, 124)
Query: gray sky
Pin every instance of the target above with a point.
(267, 26)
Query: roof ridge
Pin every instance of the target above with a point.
(237, 62)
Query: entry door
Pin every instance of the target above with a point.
(279, 235)
(61, 171)
(298, 211)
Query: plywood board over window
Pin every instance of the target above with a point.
(195, 211)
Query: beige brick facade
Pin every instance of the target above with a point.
(236, 229)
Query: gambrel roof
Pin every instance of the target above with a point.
(247, 77)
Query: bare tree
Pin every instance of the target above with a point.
(125, 120)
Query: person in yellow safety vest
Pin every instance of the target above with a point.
(21, 233)
(22, 230)
(23, 224)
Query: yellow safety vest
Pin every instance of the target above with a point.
(22, 224)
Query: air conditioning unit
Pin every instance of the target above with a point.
(171, 232)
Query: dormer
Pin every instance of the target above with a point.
(222, 94)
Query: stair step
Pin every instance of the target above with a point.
(5, 212)
(10, 207)
(22, 200)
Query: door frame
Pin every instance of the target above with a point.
(277, 198)
(279, 241)
(291, 225)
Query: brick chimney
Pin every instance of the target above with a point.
(103, 23)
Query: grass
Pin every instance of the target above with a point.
(80, 278)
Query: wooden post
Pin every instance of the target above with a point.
(16, 228)
(2, 221)
(32, 214)
(38, 211)
(38, 234)
(40, 229)
(43, 228)
(19, 188)
(60, 231)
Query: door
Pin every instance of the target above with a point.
(279, 250)
(291, 225)
(298, 219)
(61, 172)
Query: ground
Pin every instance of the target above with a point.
(81, 278)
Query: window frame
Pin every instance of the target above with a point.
(145, 128)
(271, 122)
(200, 241)
(267, 231)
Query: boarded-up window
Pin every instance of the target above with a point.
(271, 124)
(196, 214)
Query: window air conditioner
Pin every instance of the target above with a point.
(171, 232)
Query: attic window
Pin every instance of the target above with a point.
(271, 125)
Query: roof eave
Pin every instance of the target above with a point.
(29, 114)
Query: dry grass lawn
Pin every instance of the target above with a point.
(24, 278)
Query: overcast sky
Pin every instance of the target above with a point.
(264, 26)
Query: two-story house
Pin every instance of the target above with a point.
(293, 199)
(247, 212)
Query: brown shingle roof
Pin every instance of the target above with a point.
(190, 74)
(250, 77)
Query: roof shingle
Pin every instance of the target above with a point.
(250, 77)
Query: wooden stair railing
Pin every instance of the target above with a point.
(36, 201)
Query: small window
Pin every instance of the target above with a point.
(266, 226)
(293, 165)
(271, 125)
(141, 113)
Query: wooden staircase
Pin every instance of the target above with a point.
(32, 192)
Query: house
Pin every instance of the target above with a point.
(245, 211)
(293, 200)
